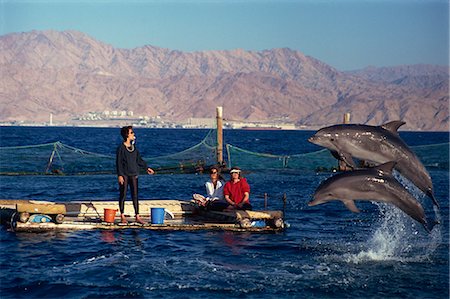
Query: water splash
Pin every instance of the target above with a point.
(398, 238)
(436, 232)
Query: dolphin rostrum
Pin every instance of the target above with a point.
(371, 184)
(378, 144)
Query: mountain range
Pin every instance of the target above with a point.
(69, 73)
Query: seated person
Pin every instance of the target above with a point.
(237, 191)
(214, 192)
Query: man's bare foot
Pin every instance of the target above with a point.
(123, 219)
(139, 219)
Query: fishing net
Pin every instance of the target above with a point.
(432, 156)
(319, 160)
(52, 158)
(193, 159)
(58, 158)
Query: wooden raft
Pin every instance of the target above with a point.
(167, 226)
(87, 215)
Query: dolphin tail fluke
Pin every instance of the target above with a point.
(350, 204)
(433, 224)
(421, 219)
(431, 195)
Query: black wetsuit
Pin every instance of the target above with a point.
(127, 165)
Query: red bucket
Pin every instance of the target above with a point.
(109, 215)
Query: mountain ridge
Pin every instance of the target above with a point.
(69, 73)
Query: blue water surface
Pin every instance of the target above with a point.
(327, 252)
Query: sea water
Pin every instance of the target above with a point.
(327, 251)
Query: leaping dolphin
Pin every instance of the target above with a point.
(372, 184)
(378, 144)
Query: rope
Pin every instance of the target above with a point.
(28, 146)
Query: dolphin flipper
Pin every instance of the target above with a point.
(350, 204)
(348, 159)
(335, 154)
(343, 156)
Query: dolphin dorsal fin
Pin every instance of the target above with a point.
(386, 167)
(393, 126)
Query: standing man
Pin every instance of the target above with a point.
(128, 162)
(237, 191)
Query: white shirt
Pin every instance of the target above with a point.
(214, 193)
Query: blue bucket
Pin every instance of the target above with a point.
(157, 215)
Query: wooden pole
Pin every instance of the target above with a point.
(346, 118)
(341, 164)
(265, 201)
(219, 135)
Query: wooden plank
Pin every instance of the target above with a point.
(41, 208)
(258, 214)
(11, 203)
(96, 208)
(71, 226)
(240, 214)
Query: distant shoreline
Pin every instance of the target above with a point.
(271, 129)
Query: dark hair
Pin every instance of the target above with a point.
(216, 168)
(124, 132)
(213, 168)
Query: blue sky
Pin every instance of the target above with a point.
(345, 34)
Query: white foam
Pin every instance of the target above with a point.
(398, 238)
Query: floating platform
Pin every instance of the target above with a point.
(37, 216)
